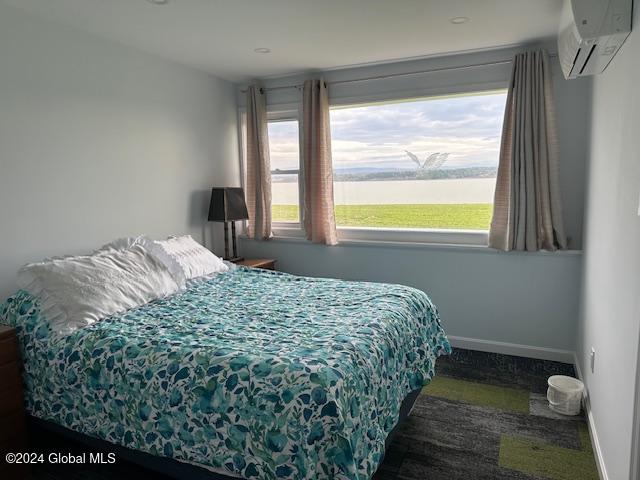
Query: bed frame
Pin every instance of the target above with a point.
(174, 468)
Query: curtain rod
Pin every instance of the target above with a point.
(401, 74)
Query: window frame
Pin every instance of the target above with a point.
(364, 235)
(284, 115)
(278, 113)
(444, 236)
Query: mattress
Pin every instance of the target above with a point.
(252, 373)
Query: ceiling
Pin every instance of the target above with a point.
(219, 36)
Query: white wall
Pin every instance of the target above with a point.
(611, 297)
(523, 298)
(99, 141)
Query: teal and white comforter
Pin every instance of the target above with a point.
(254, 373)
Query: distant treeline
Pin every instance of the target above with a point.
(441, 174)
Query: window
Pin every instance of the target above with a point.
(417, 164)
(284, 152)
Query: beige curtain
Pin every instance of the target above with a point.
(258, 188)
(319, 217)
(527, 213)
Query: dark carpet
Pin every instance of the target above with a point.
(484, 416)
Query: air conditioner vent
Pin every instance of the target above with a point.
(587, 46)
(586, 62)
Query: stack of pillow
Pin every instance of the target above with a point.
(77, 291)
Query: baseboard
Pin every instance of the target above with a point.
(528, 351)
(602, 471)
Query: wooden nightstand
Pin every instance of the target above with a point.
(266, 263)
(13, 432)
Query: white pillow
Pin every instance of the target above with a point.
(78, 291)
(194, 260)
(153, 249)
(124, 243)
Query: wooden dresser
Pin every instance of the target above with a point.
(13, 433)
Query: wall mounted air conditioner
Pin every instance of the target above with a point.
(591, 33)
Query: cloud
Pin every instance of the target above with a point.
(467, 127)
(464, 151)
(283, 145)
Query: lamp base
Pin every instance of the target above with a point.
(235, 258)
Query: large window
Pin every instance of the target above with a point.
(417, 164)
(284, 153)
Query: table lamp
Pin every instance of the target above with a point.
(228, 205)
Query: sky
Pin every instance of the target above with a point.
(376, 136)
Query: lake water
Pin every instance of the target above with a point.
(463, 190)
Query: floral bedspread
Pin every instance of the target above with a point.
(254, 373)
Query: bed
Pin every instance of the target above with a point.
(250, 374)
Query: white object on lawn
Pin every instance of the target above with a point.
(565, 394)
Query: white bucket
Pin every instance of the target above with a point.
(565, 394)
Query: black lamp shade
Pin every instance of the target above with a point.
(227, 204)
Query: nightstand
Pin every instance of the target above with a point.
(13, 432)
(266, 263)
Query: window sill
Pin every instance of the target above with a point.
(395, 235)
(411, 235)
(457, 240)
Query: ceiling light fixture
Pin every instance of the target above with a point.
(459, 20)
(262, 50)
(158, 2)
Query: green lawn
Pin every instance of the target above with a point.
(470, 216)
